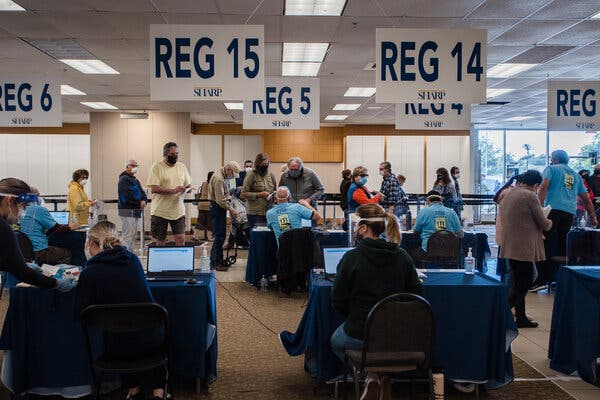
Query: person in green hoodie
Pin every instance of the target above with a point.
(373, 270)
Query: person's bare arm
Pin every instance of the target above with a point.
(543, 191)
(160, 190)
(589, 207)
(316, 216)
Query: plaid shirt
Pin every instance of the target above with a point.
(390, 187)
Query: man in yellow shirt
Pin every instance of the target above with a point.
(168, 181)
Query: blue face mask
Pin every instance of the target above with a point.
(363, 181)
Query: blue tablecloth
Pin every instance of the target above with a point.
(575, 332)
(583, 247)
(262, 254)
(47, 343)
(473, 321)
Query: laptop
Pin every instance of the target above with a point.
(61, 217)
(332, 257)
(170, 263)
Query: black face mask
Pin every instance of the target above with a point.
(262, 169)
(172, 159)
(440, 177)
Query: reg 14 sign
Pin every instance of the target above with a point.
(206, 62)
(286, 103)
(573, 105)
(27, 101)
(431, 65)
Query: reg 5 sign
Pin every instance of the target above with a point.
(30, 101)
(431, 65)
(286, 103)
(206, 62)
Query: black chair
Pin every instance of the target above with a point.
(443, 249)
(26, 247)
(299, 251)
(119, 319)
(399, 337)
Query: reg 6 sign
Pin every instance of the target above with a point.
(30, 102)
(424, 65)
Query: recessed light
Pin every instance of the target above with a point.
(300, 68)
(99, 105)
(359, 92)
(67, 90)
(497, 92)
(305, 52)
(91, 66)
(335, 117)
(506, 70)
(346, 107)
(595, 16)
(314, 7)
(374, 108)
(9, 5)
(234, 106)
(515, 119)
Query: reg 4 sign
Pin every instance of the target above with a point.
(431, 65)
(30, 101)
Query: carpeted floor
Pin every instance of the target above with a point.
(252, 364)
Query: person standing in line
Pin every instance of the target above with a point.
(358, 194)
(259, 185)
(78, 203)
(168, 180)
(390, 188)
(132, 201)
(248, 166)
(444, 185)
(204, 222)
(303, 182)
(459, 204)
(344, 187)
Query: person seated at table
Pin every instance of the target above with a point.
(286, 216)
(373, 270)
(358, 194)
(114, 275)
(37, 224)
(435, 217)
(523, 223)
(14, 197)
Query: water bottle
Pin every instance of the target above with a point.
(403, 223)
(582, 223)
(264, 283)
(469, 262)
(204, 261)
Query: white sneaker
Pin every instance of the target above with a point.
(465, 387)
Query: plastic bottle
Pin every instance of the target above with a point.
(469, 262)
(204, 261)
(264, 283)
(582, 223)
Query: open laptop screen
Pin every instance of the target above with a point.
(61, 217)
(332, 257)
(170, 260)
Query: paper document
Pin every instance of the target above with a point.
(420, 273)
(547, 210)
(50, 270)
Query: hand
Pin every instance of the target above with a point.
(34, 267)
(93, 202)
(74, 226)
(263, 194)
(594, 220)
(142, 204)
(64, 285)
(234, 214)
(304, 202)
(380, 195)
(179, 189)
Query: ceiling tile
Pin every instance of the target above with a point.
(531, 32)
(442, 8)
(185, 6)
(29, 25)
(494, 26)
(246, 7)
(498, 54)
(567, 9)
(539, 54)
(508, 8)
(81, 24)
(309, 29)
(371, 8)
(583, 33)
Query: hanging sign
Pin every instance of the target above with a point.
(433, 116)
(573, 105)
(285, 103)
(431, 65)
(206, 62)
(30, 101)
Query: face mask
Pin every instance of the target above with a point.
(363, 181)
(41, 201)
(172, 159)
(83, 182)
(456, 176)
(248, 169)
(236, 176)
(401, 183)
(440, 177)
(294, 173)
(382, 173)
(134, 170)
(263, 168)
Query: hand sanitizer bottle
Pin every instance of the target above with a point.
(204, 261)
(469, 263)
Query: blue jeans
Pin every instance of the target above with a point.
(219, 219)
(341, 342)
(254, 219)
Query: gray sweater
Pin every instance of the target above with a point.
(306, 186)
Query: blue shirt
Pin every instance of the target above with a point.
(287, 216)
(565, 186)
(434, 218)
(36, 221)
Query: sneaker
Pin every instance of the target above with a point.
(526, 324)
(536, 288)
(465, 387)
(371, 390)
(221, 267)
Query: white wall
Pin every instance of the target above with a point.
(366, 151)
(405, 153)
(44, 161)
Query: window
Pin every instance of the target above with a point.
(491, 153)
(578, 145)
(525, 150)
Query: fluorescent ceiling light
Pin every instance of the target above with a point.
(300, 68)
(543, 110)
(91, 66)
(67, 90)
(234, 106)
(314, 7)
(506, 70)
(359, 92)
(134, 115)
(497, 92)
(306, 52)
(514, 119)
(344, 107)
(99, 105)
(335, 117)
(595, 16)
(374, 108)
(9, 5)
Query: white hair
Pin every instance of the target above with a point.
(129, 162)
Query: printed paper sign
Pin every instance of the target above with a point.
(573, 105)
(30, 101)
(436, 116)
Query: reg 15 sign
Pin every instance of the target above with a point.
(431, 65)
(206, 62)
(27, 101)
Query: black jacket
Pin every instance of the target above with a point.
(131, 194)
(299, 251)
(344, 186)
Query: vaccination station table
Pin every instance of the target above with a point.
(45, 347)
(474, 328)
(575, 330)
(262, 254)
